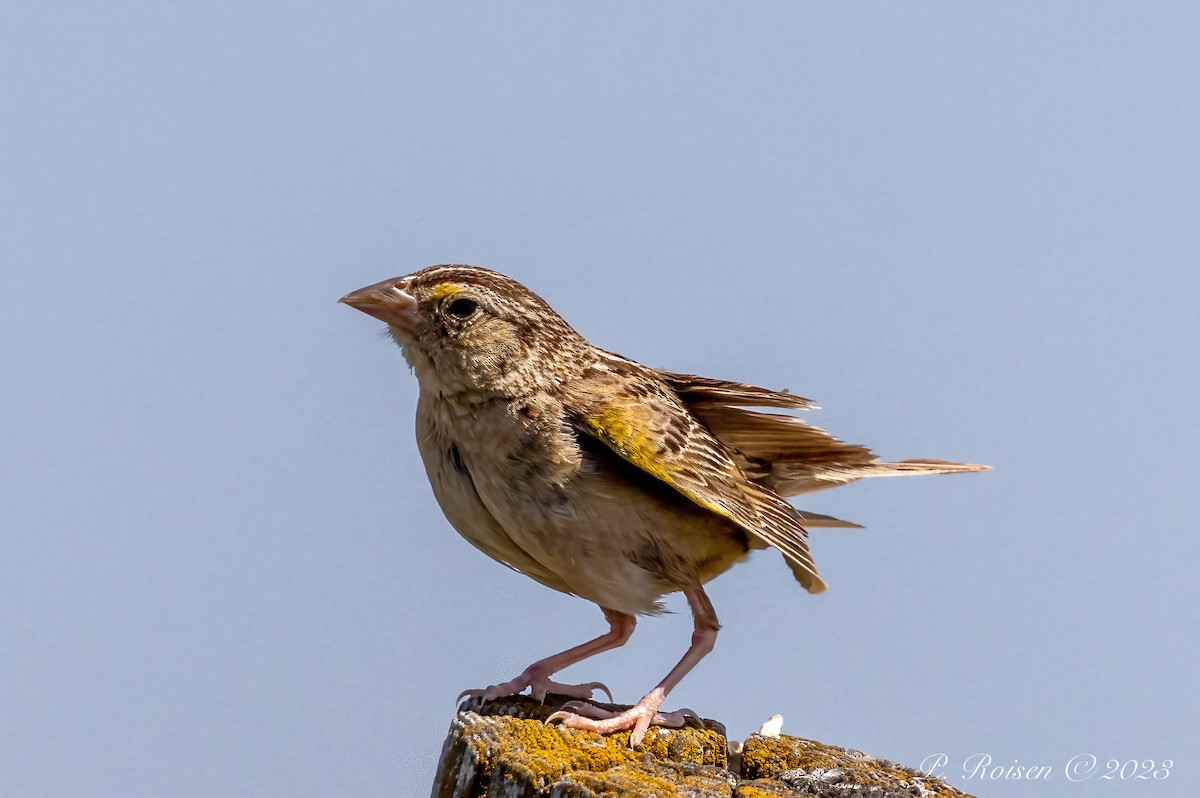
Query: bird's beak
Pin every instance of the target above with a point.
(389, 302)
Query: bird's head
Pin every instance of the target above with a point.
(464, 328)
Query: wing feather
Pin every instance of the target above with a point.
(791, 456)
(696, 390)
(649, 427)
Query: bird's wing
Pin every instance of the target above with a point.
(774, 438)
(698, 391)
(793, 457)
(650, 428)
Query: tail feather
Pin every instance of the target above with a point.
(783, 456)
(817, 520)
(792, 457)
(792, 479)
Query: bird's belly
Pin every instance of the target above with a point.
(612, 540)
(590, 552)
(577, 520)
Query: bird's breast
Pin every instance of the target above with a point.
(520, 459)
(610, 532)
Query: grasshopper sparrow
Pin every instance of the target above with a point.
(598, 476)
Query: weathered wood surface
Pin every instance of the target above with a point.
(503, 749)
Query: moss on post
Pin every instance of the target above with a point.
(503, 749)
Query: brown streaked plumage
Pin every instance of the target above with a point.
(598, 476)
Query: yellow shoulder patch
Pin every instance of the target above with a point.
(618, 428)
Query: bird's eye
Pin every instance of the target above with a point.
(462, 308)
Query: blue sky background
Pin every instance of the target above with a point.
(969, 231)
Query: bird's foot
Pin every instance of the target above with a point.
(579, 715)
(539, 685)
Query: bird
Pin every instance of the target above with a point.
(600, 477)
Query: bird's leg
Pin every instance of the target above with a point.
(639, 717)
(537, 676)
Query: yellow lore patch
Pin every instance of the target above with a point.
(443, 290)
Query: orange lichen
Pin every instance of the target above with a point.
(505, 748)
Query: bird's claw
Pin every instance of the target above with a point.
(585, 709)
(539, 687)
(583, 691)
(637, 719)
(675, 720)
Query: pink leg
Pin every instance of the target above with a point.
(537, 676)
(639, 716)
